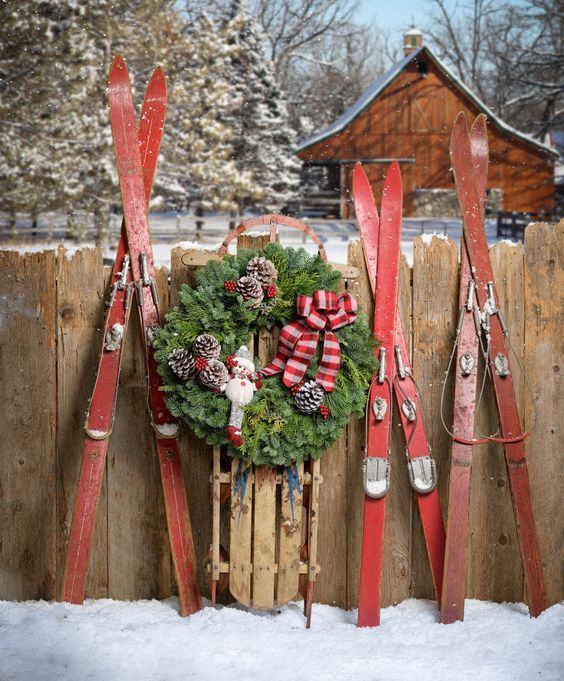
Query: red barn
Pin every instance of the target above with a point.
(408, 114)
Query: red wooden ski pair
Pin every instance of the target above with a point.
(381, 242)
(480, 318)
(134, 275)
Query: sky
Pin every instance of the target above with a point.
(395, 16)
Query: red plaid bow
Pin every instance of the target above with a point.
(324, 311)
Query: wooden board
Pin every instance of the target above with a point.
(435, 307)
(396, 576)
(81, 310)
(264, 538)
(494, 563)
(240, 541)
(139, 563)
(289, 540)
(195, 454)
(544, 322)
(28, 527)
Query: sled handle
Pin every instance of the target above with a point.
(273, 220)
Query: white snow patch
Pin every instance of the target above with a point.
(510, 242)
(428, 238)
(125, 641)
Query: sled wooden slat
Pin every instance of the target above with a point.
(264, 538)
(290, 534)
(216, 493)
(240, 540)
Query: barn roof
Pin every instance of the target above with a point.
(385, 79)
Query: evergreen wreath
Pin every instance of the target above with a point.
(274, 432)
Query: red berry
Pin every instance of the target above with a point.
(201, 363)
(271, 291)
(231, 362)
(230, 285)
(324, 411)
(294, 389)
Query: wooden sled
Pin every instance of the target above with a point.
(272, 550)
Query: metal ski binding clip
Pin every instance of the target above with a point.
(466, 364)
(375, 476)
(121, 281)
(146, 280)
(382, 367)
(402, 371)
(409, 409)
(422, 473)
(113, 338)
(379, 407)
(501, 365)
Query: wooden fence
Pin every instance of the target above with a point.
(51, 313)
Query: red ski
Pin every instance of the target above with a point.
(496, 336)
(102, 407)
(465, 357)
(136, 159)
(130, 172)
(421, 467)
(376, 465)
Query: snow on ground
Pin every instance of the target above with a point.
(108, 640)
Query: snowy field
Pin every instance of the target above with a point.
(168, 229)
(147, 641)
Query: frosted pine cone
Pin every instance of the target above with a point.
(206, 346)
(182, 362)
(214, 375)
(251, 290)
(309, 397)
(262, 270)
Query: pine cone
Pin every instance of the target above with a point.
(262, 270)
(182, 362)
(214, 375)
(206, 346)
(251, 290)
(309, 397)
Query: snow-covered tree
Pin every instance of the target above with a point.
(46, 66)
(263, 142)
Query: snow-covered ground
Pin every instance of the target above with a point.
(108, 640)
(167, 229)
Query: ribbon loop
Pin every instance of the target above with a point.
(324, 311)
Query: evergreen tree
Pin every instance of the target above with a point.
(46, 64)
(263, 142)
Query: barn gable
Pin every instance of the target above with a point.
(407, 114)
(378, 86)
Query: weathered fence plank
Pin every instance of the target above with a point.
(435, 295)
(544, 324)
(494, 563)
(139, 564)
(80, 323)
(131, 557)
(28, 520)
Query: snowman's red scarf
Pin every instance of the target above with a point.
(324, 311)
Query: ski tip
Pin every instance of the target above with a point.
(158, 77)
(359, 175)
(118, 63)
(480, 123)
(394, 174)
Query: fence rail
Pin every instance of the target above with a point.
(51, 313)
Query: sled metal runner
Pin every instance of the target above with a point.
(481, 325)
(381, 244)
(133, 276)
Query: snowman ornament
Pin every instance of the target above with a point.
(240, 388)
